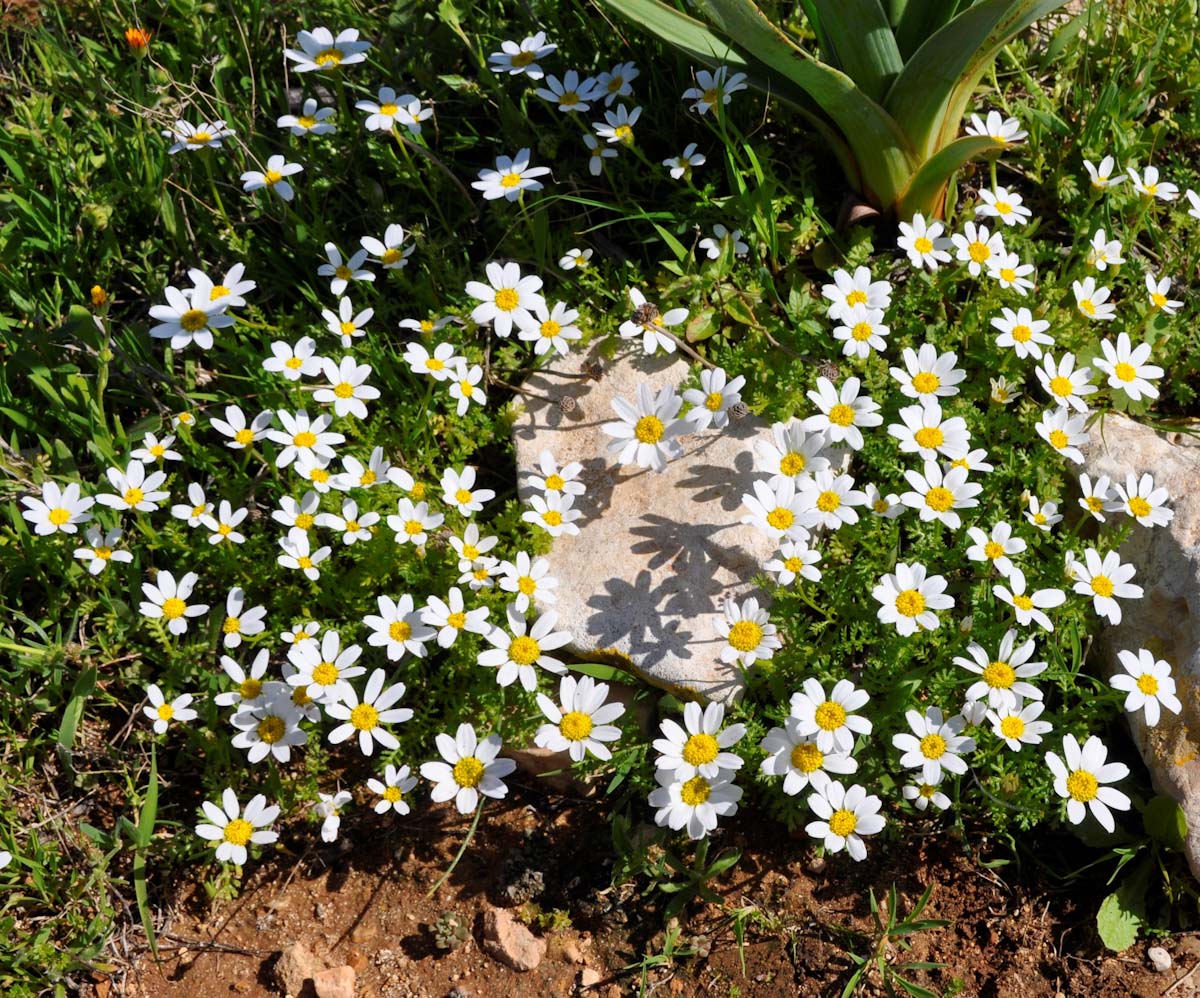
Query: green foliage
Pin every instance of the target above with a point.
(891, 930)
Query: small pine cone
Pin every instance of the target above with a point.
(828, 369)
(739, 410)
(567, 404)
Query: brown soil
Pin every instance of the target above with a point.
(362, 901)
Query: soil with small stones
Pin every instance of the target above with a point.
(364, 901)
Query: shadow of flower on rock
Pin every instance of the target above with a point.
(630, 613)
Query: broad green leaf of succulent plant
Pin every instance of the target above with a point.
(889, 91)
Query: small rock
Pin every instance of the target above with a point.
(335, 983)
(1159, 959)
(505, 939)
(295, 966)
(589, 977)
(458, 993)
(572, 954)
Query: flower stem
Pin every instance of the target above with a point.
(462, 849)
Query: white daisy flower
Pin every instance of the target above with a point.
(412, 522)
(1149, 684)
(206, 135)
(923, 430)
(1018, 725)
(1104, 252)
(299, 555)
(390, 251)
(439, 365)
(996, 547)
(1092, 301)
(1006, 205)
(516, 58)
(1105, 579)
(924, 794)
(843, 412)
(928, 374)
(1082, 777)
(976, 246)
(1043, 515)
(367, 717)
(794, 560)
(196, 507)
(1002, 678)
(576, 258)
(693, 804)
(459, 491)
(342, 272)
(550, 329)
(936, 495)
(166, 599)
(480, 573)
(1064, 432)
(828, 500)
(312, 120)
(100, 549)
(1140, 499)
(617, 125)
(528, 579)
(553, 512)
(324, 669)
(721, 237)
(973, 460)
(320, 50)
(1095, 499)
(223, 526)
(617, 82)
(844, 817)
(346, 324)
(862, 331)
(301, 436)
(1002, 391)
(61, 508)
(848, 290)
(1148, 185)
(571, 93)
(294, 362)
(274, 177)
(556, 479)
(233, 829)
(1127, 369)
(383, 114)
(646, 432)
(1010, 272)
(796, 758)
(470, 769)
(298, 515)
(134, 489)
(651, 325)
(710, 403)
(748, 631)
(234, 426)
(1065, 384)
(780, 512)
(249, 685)
(924, 242)
(329, 810)
(300, 633)
(909, 597)
(935, 745)
(714, 89)
(1030, 607)
(398, 628)
(352, 525)
(515, 655)
(239, 622)
(791, 454)
(163, 713)
(506, 297)
(582, 722)
(597, 154)
(471, 546)
(831, 719)
(268, 727)
(391, 789)
(450, 617)
(681, 166)
(1158, 291)
(1102, 175)
(887, 506)
(512, 175)
(1005, 131)
(1023, 333)
(154, 450)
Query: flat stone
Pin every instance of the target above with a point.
(1167, 619)
(657, 555)
(337, 982)
(505, 939)
(294, 970)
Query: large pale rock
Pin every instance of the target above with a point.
(505, 939)
(1167, 620)
(657, 554)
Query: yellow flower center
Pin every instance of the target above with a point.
(158, 450)
(399, 630)
(695, 792)
(575, 726)
(1022, 334)
(294, 363)
(554, 483)
(199, 138)
(552, 518)
(463, 496)
(250, 688)
(623, 132)
(1126, 372)
(348, 328)
(1087, 307)
(306, 121)
(173, 608)
(1147, 684)
(1138, 506)
(649, 429)
(414, 527)
(300, 697)
(830, 716)
(364, 717)
(923, 244)
(807, 758)
(841, 414)
(856, 297)
(133, 496)
(165, 712)
(510, 180)
(524, 650)
(368, 477)
(712, 401)
(930, 437)
(470, 552)
(343, 390)
(993, 550)
(507, 299)
(523, 58)
(318, 474)
(392, 795)
(910, 603)
(527, 585)
(880, 506)
(1012, 726)
(304, 438)
(862, 331)
(745, 635)
(466, 388)
(231, 626)
(272, 177)
(102, 553)
(843, 822)
(352, 526)
(1082, 786)
(926, 382)
(326, 674)
(550, 329)
(794, 564)
(828, 501)
(200, 509)
(939, 499)
(418, 491)
(343, 272)
(781, 518)
(388, 109)
(1003, 207)
(271, 729)
(1151, 189)
(390, 256)
(792, 463)
(480, 574)
(1158, 300)
(244, 436)
(1102, 585)
(999, 675)
(1008, 275)
(1039, 518)
(468, 772)
(193, 320)
(224, 529)
(304, 520)
(457, 620)
(58, 516)
(330, 57)
(700, 749)
(933, 746)
(238, 832)
(978, 252)
(1022, 602)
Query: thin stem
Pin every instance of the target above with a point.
(462, 849)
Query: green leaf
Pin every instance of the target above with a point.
(918, 19)
(926, 188)
(142, 836)
(861, 41)
(598, 670)
(1118, 927)
(1165, 822)
(73, 712)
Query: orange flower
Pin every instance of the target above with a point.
(138, 38)
(99, 295)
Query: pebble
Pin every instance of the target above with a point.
(1159, 959)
